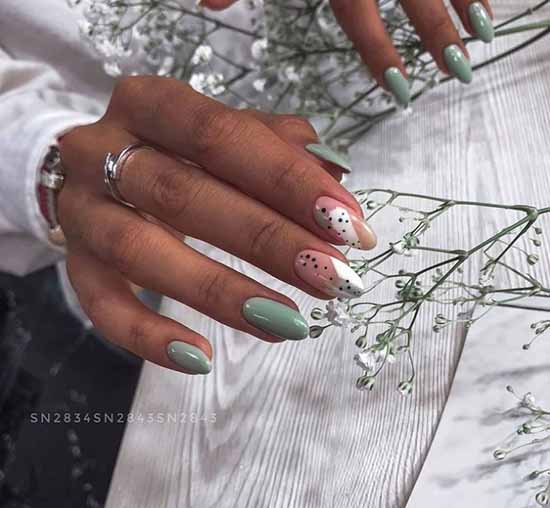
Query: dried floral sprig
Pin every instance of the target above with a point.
(473, 280)
(533, 432)
(296, 57)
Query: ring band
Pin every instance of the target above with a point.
(113, 170)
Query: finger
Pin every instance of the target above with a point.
(216, 5)
(235, 148)
(361, 21)
(297, 131)
(109, 302)
(477, 18)
(151, 257)
(440, 36)
(199, 205)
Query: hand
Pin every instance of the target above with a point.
(362, 23)
(246, 182)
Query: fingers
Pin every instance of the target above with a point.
(115, 311)
(216, 5)
(243, 152)
(361, 21)
(440, 36)
(150, 257)
(239, 150)
(476, 16)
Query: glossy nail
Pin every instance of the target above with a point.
(330, 155)
(188, 357)
(328, 274)
(398, 85)
(481, 22)
(457, 63)
(275, 318)
(343, 224)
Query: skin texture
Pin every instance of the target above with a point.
(206, 157)
(361, 21)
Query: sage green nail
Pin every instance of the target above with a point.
(330, 155)
(481, 22)
(189, 357)
(458, 64)
(275, 318)
(398, 85)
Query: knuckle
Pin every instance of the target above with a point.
(438, 27)
(213, 289)
(139, 332)
(175, 191)
(143, 99)
(215, 125)
(263, 239)
(295, 175)
(124, 248)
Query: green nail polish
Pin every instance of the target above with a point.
(481, 22)
(189, 357)
(275, 318)
(457, 63)
(398, 85)
(328, 154)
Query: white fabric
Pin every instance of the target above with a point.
(49, 83)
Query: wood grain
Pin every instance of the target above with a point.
(290, 428)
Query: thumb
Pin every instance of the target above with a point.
(216, 5)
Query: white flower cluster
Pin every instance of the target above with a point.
(383, 328)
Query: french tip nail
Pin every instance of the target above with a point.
(481, 22)
(275, 318)
(328, 274)
(328, 154)
(189, 357)
(398, 85)
(343, 225)
(458, 64)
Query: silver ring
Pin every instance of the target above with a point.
(113, 170)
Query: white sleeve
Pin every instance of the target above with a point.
(34, 110)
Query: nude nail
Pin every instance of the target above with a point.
(343, 224)
(328, 274)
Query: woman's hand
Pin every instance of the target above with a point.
(244, 181)
(362, 23)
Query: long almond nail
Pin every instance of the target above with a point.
(398, 85)
(328, 274)
(189, 357)
(458, 64)
(328, 154)
(343, 224)
(481, 22)
(275, 318)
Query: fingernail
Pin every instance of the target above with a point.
(343, 224)
(188, 357)
(481, 22)
(330, 155)
(328, 274)
(275, 318)
(457, 63)
(398, 85)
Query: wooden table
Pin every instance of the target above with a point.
(283, 425)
